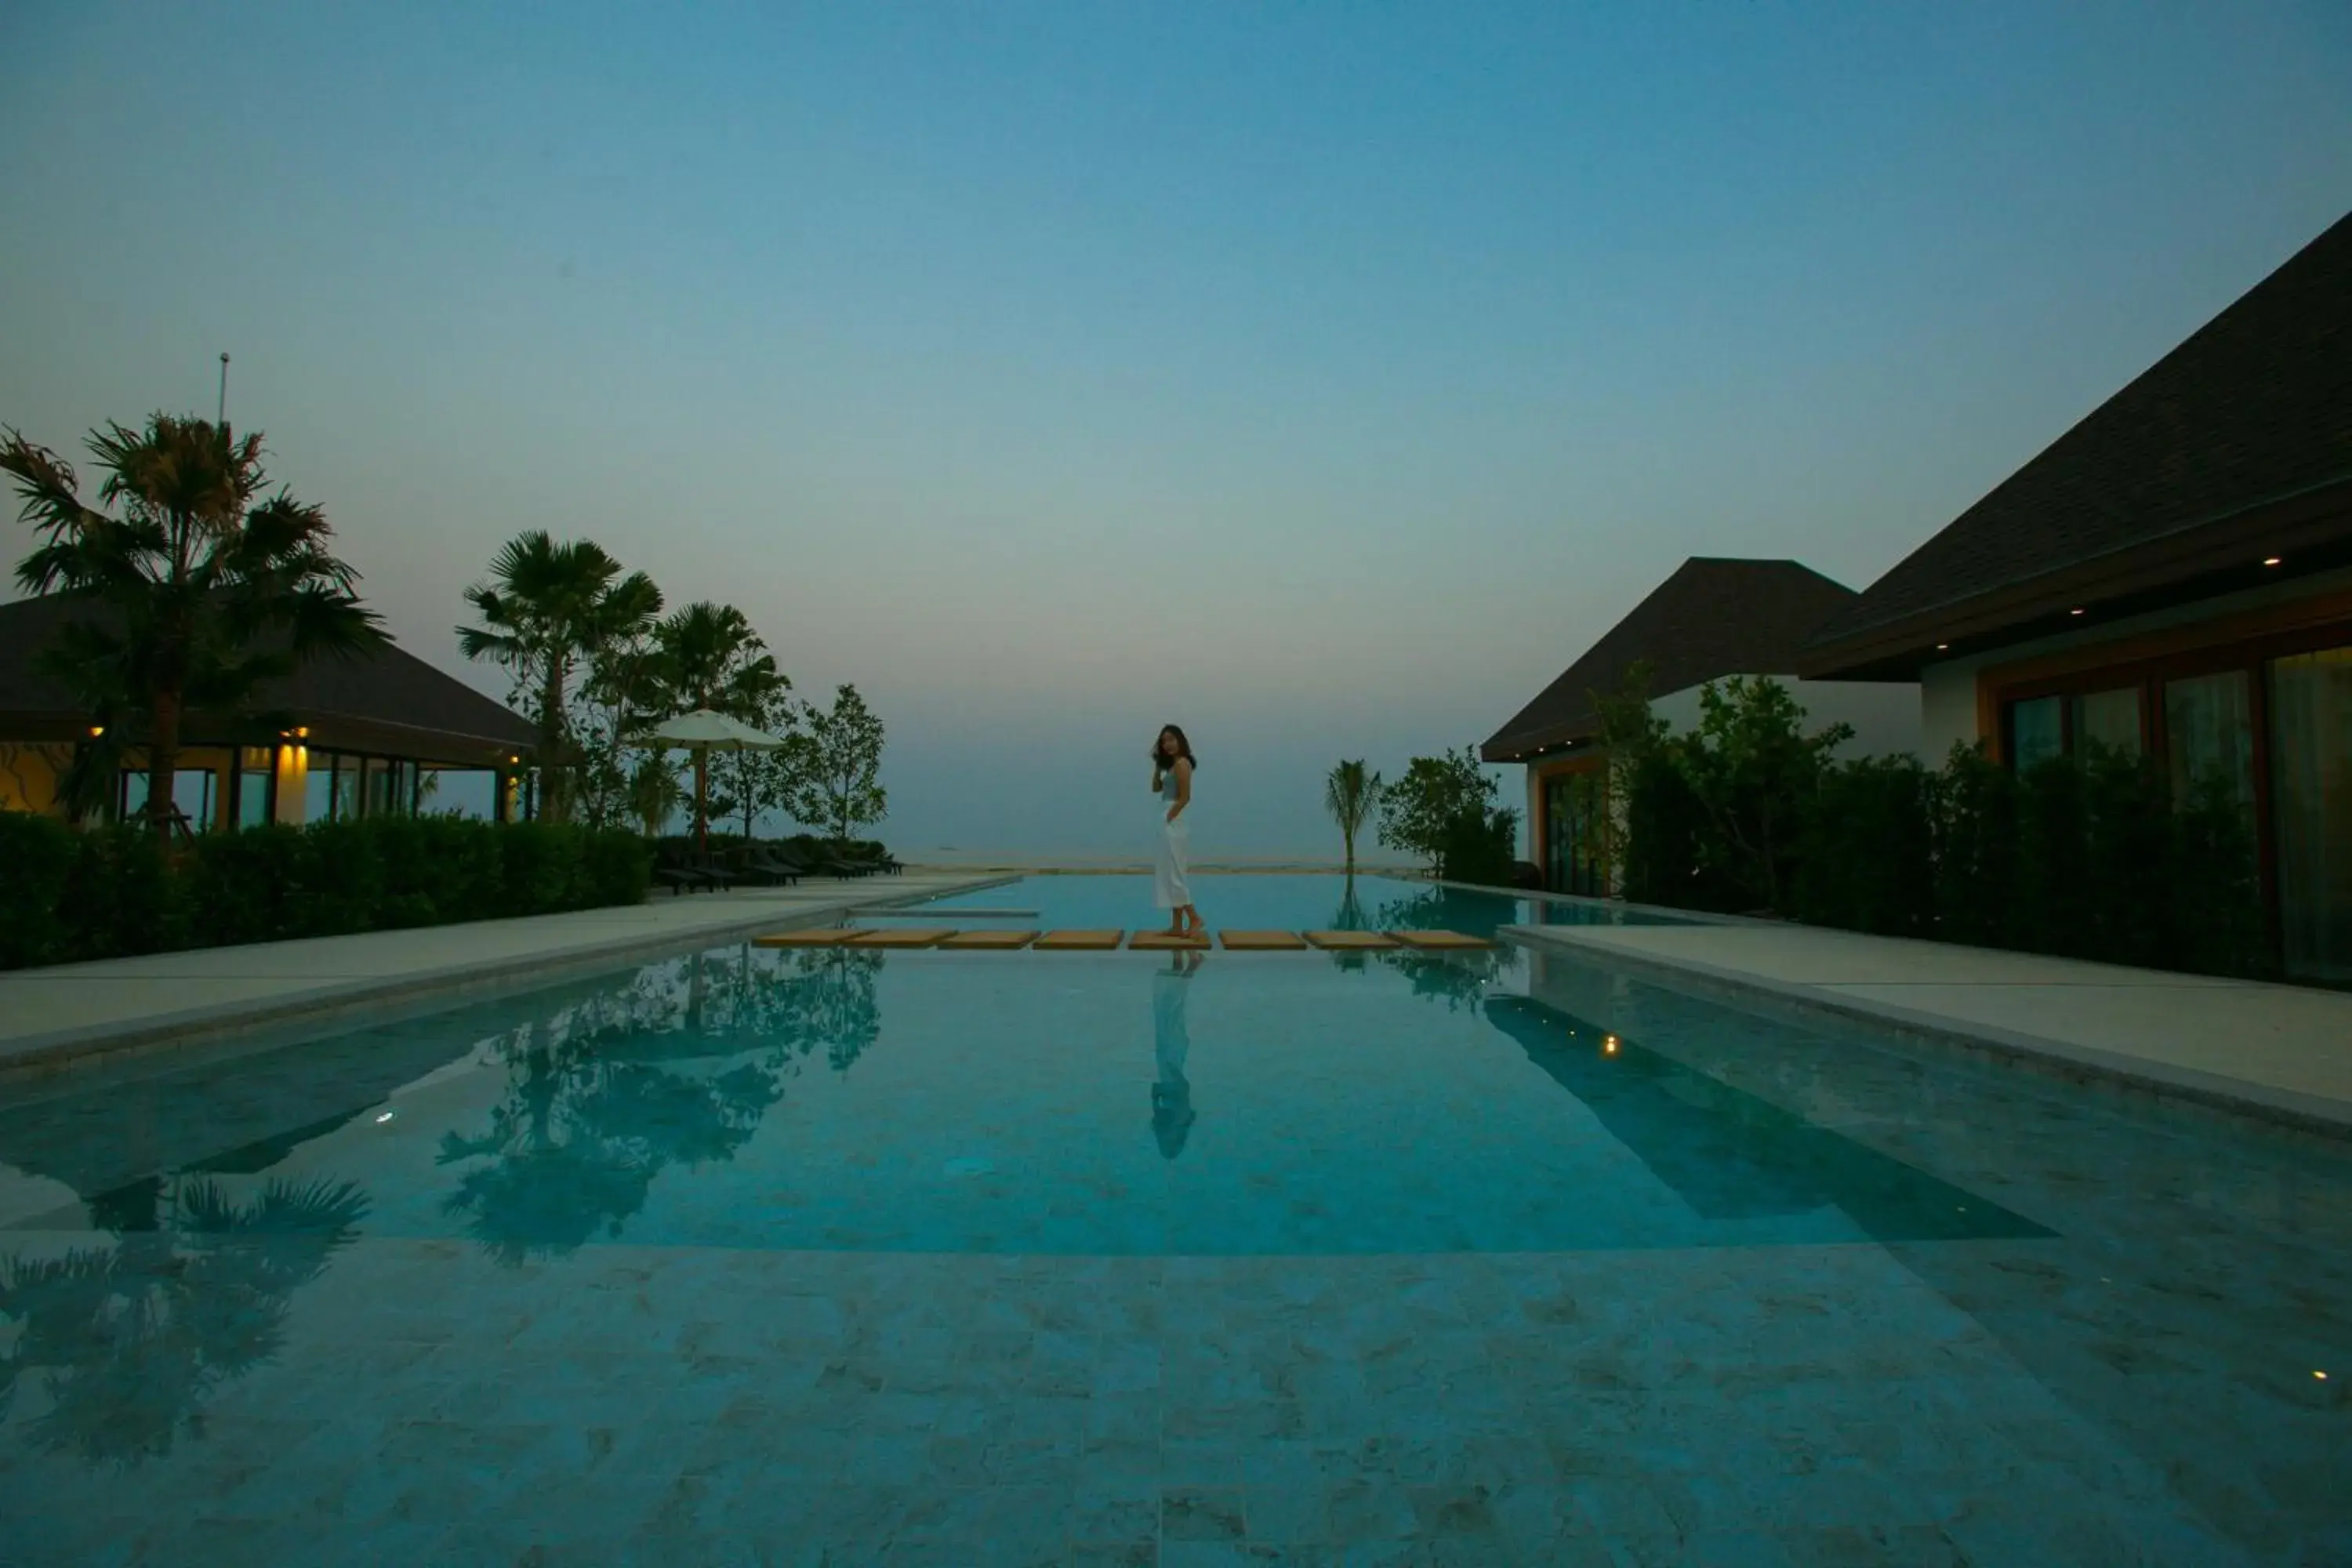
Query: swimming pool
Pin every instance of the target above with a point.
(1131, 1256)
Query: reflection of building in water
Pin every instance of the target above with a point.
(1171, 1095)
(1730, 1155)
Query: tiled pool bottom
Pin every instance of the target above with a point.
(2122, 1372)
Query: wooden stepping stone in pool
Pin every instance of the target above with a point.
(1439, 940)
(991, 940)
(924, 936)
(1162, 942)
(1349, 940)
(811, 936)
(1080, 941)
(1261, 941)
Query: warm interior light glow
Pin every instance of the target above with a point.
(2074, 611)
(1942, 646)
(2321, 1375)
(2271, 560)
(301, 731)
(96, 731)
(1609, 1046)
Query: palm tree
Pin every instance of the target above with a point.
(548, 607)
(1350, 794)
(202, 588)
(707, 655)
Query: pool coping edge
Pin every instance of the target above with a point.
(32, 1056)
(2242, 1097)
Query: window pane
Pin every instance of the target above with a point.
(2311, 785)
(2034, 732)
(2209, 733)
(319, 788)
(462, 791)
(2108, 719)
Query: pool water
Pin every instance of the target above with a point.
(844, 1255)
(1288, 902)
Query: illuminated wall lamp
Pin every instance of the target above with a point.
(2272, 560)
(96, 731)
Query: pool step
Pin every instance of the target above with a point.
(1261, 941)
(1080, 941)
(990, 941)
(1104, 940)
(1350, 941)
(811, 936)
(922, 936)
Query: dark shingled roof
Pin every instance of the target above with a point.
(1712, 618)
(388, 689)
(2254, 408)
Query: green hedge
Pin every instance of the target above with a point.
(2091, 859)
(106, 892)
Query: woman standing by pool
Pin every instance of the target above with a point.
(1171, 781)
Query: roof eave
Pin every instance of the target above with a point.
(2304, 531)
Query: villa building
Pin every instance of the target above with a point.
(2171, 577)
(383, 733)
(1712, 619)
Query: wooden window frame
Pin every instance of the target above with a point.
(2147, 664)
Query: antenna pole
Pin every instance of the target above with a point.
(223, 419)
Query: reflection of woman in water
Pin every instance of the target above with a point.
(1172, 1096)
(1171, 781)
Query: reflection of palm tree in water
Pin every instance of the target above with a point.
(1458, 978)
(1172, 1093)
(595, 1109)
(195, 1292)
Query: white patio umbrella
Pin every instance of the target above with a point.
(702, 733)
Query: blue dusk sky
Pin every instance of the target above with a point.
(1325, 378)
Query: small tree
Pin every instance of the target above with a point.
(835, 786)
(1442, 804)
(748, 782)
(1754, 772)
(1350, 794)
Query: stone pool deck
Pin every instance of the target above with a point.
(66, 1014)
(2282, 1052)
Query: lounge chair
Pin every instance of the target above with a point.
(761, 865)
(681, 878)
(879, 859)
(819, 865)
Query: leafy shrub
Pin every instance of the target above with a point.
(615, 868)
(2085, 857)
(1477, 845)
(542, 867)
(37, 860)
(1868, 854)
(112, 891)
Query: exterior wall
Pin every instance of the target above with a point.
(1886, 714)
(29, 771)
(1950, 708)
(293, 783)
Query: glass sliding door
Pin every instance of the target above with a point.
(1558, 832)
(2209, 732)
(2311, 792)
(2107, 720)
(1576, 809)
(2037, 732)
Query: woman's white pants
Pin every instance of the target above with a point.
(1169, 888)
